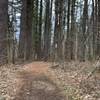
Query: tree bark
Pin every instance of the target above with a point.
(67, 43)
(25, 42)
(3, 30)
(39, 50)
(23, 30)
(47, 31)
(58, 33)
(84, 30)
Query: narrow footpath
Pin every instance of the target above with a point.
(35, 84)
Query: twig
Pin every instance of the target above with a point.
(92, 72)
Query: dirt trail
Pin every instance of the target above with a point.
(34, 83)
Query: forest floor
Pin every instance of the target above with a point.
(40, 81)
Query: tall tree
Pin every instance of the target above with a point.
(3, 30)
(29, 29)
(25, 44)
(23, 29)
(98, 34)
(58, 36)
(39, 50)
(72, 32)
(84, 30)
(47, 31)
(67, 49)
(36, 29)
(95, 26)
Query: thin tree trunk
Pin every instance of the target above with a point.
(47, 31)
(39, 52)
(67, 44)
(23, 29)
(58, 36)
(72, 32)
(84, 30)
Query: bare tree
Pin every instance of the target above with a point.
(3, 30)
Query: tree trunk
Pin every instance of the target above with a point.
(36, 29)
(84, 30)
(23, 29)
(29, 29)
(67, 44)
(25, 42)
(58, 34)
(72, 32)
(96, 26)
(98, 35)
(39, 50)
(3, 30)
(47, 32)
